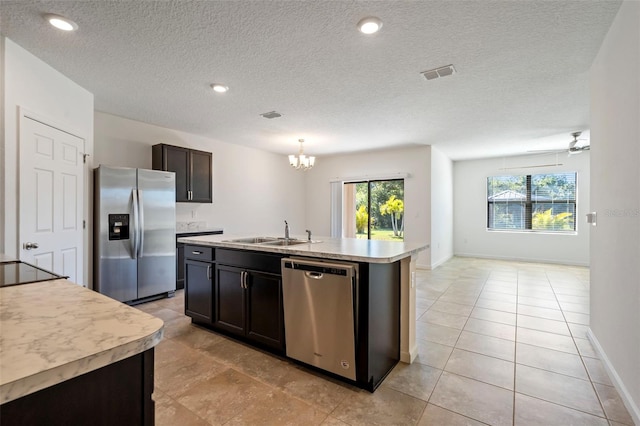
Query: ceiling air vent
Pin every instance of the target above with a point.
(439, 72)
(271, 114)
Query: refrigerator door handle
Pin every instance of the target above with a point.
(134, 223)
(141, 224)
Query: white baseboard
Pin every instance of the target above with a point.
(408, 357)
(522, 259)
(628, 401)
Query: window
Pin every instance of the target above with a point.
(374, 210)
(543, 202)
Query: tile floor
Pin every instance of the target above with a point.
(501, 343)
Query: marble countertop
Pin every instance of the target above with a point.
(53, 331)
(353, 249)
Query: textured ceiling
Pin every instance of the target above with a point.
(522, 66)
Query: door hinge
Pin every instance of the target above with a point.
(84, 224)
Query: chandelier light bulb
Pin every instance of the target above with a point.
(301, 161)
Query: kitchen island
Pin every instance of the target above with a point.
(234, 285)
(69, 355)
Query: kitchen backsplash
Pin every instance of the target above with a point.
(190, 226)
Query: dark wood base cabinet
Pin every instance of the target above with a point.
(243, 299)
(117, 394)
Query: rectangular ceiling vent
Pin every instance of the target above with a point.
(439, 72)
(271, 114)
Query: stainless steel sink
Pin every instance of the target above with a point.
(285, 242)
(254, 240)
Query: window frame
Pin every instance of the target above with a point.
(528, 206)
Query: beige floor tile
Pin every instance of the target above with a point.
(536, 412)
(322, 392)
(474, 399)
(585, 348)
(480, 367)
(497, 296)
(557, 388)
(177, 327)
(582, 308)
(537, 292)
(498, 287)
(171, 413)
(534, 311)
(385, 407)
(414, 379)
(548, 359)
(452, 308)
(177, 377)
(577, 318)
(497, 305)
(443, 318)
(263, 366)
(546, 340)
(613, 406)
(596, 371)
(436, 416)
(433, 354)
(487, 345)
(228, 351)
(438, 334)
(332, 421)
(493, 315)
(543, 324)
(460, 299)
(199, 338)
(223, 397)
(539, 303)
(578, 330)
(490, 328)
(279, 409)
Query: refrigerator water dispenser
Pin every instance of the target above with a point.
(118, 227)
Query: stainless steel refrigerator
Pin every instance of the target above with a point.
(134, 233)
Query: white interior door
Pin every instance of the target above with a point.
(51, 199)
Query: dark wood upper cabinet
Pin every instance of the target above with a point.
(193, 171)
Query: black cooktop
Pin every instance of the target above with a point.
(18, 272)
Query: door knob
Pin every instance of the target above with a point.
(30, 246)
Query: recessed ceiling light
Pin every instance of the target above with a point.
(61, 23)
(369, 25)
(220, 88)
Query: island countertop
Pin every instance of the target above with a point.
(351, 249)
(53, 331)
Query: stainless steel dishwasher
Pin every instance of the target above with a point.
(320, 314)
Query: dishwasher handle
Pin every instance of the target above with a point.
(314, 275)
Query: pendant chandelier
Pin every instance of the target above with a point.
(301, 161)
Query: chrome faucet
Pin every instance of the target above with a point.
(308, 234)
(286, 231)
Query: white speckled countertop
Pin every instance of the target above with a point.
(353, 249)
(53, 331)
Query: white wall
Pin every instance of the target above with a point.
(441, 208)
(615, 196)
(416, 161)
(471, 237)
(32, 84)
(253, 190)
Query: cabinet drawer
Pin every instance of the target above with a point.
(258, 261)
(198, 253)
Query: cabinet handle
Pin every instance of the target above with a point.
(196, 252)
(190, 196)
(243, 279)
(208, 272)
